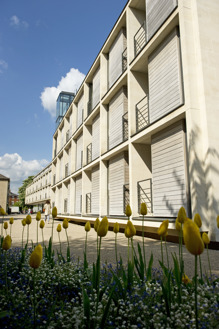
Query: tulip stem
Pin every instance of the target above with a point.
(196, 296)
(10, 229)
(128, 250)
(209, 264)
(34, 301)
(116, 250)
(167, 253)
(143, 245)
(200, 264)
(37, 233)
(132, 251)
(60, 243)
(27, 234)
(86, 244)
(22, 237)
(6, 276)
(97, 244)
(161, 239)
(43, 238)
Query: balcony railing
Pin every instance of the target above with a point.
(88, 203)
(140, 38)
(89, 153)
(124, 60)
(142, 114)
(125, 196)
(145, 194)
(125, 126)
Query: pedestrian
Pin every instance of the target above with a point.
(47, 208)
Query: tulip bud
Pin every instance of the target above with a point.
(192, 238)
(38, 216)
(185, 279)
(6, 244)
(205, 238)
(130, 230)
(218, 221)
(116, 228)
(96, 224)
(23, 222)
(36, 257)
(42, 223)
(54, 212)
(128, 211)
(65, 223)
(2, 212)
(11, 220)
(28, 220)
(59, 228)
(162, 230)
(182, 215)
(5, 225)
(103, 227)
(87, 227)
(197, 220)
(178, 225)
(143, 210)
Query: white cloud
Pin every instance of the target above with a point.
(17, 169)
(71, 82)
(16, 22)
(3, 65)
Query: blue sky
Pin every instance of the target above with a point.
(45, 46)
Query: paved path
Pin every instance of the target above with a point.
(76, 235)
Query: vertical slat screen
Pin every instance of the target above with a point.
(165, 81)
(78, 194)
(115, 57)
(117, 107)
(96, 137)
(169, 171)
(96, 88)
(95, 177)
(157, 11)
(80, 110)
(79, 148)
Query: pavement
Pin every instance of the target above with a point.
(76, 235)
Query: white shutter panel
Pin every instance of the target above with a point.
(78, 194)
(80, 111)
(157, 11)
(96, 88)
(169, 172)
(79, 148)
(96, 137)
(95, 177)
(165, 81)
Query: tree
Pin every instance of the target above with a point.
(22, 190)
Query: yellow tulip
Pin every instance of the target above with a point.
(59, 228)
(143, 210)
(128, 211)
(38, 216)
(130, 230)
(42, 223)
(162, 230)
(6, 244)
(178, 225)
(36, 257)
(103, 227)
(96, 224)
(11, 220)
(218, 221)
(2, 212)
(182, 215)
(197, 220)
(116, 228)
(54, 212)
(192, 238)
(185, 279)
(23, 222)
(87, 227)
(205, 238)
(5, 225)
(65, 223)
(28, 220)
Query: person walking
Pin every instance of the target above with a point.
(47, 208)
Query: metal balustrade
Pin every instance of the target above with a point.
(88, 203)
(142, 114)
(144, 188)
(89, 153)
(124, 60)
(125, 196)
(125, 126)
(140, 38)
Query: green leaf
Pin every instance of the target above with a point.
(149, 270)
(106, 311)
(86, 304)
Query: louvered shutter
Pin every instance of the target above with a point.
(169, 171)
(96, 88)
(95, 177)
(96, 137)
(79, 148)
(165, 81)
(78, 194)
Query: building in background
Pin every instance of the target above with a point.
(13, 198)
(4, 192)
(143, 126)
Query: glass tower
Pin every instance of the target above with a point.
(62, 104)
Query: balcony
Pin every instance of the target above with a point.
(140, 38)
(145, 194)
(89, 153)
(142, 114)
(88, 203)
(124, 60)
(125, 126)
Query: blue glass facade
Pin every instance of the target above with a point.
(62, 104)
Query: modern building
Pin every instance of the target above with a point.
(143, 126)
(4, 192)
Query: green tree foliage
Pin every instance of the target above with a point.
(22, 190)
